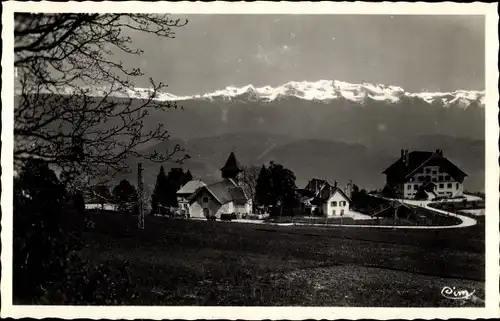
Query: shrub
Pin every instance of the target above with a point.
(228, 217)
(40, 246)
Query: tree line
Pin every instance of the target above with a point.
(125, 195)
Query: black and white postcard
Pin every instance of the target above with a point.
(250, 160)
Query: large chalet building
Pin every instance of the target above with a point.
(422, 170)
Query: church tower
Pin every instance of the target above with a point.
(232, 168)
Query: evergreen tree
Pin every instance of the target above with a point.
(125, 194)
(175, 178)
(158, 199)
(276, 187)
(187, 178)
(283, 188)
(262, 188)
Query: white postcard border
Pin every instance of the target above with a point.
(492, 170)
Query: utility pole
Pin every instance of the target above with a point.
(140, 204)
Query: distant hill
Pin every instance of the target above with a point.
(318, 158)
(353, 135)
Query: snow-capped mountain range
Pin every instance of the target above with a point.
(322, 91)
(328, 90)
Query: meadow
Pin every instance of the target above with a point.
(187, 262)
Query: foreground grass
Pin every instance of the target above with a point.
(182, 262)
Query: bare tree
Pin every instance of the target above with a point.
(76, 107)
(248, 178)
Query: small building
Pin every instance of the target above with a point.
(332, 201)
(223, 197)
(421, 170)
(323, 199)
(186, 191)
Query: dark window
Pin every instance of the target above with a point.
(434, 172)
(427, 170)
(205, 199)
(415, 187)
(334, 203)
(333, 212)
(341, 212)
(441, 185)
(441, 178)
(457, 185)
(449, 185)
(427, 178)
(434, 179)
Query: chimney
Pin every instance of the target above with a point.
(403, 155)
(407, 157)
(335, 184)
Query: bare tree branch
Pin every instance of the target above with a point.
(62, 60)
(248, 178)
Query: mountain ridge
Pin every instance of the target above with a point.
(320, 91)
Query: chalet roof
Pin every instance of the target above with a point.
(324, 197)
(232, 164)
(316, 184)
(223, 192)
(190, 187)
(402, 171)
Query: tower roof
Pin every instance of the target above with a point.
(232, 164)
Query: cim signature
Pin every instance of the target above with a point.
(452, 293)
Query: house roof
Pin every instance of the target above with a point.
(316, 184)
(190, 187)
(402, 171)
(223, 192)
(324, 197)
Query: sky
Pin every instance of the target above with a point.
(418, 53)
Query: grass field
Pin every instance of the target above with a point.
(184, 262)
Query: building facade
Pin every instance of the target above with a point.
(338, 204)
(185, 192)
(428, 172)
(223, 197)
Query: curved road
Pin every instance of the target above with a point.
(466, 221)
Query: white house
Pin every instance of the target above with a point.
(337, 204)
(186, 191)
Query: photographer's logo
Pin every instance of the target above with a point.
(456, 294)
